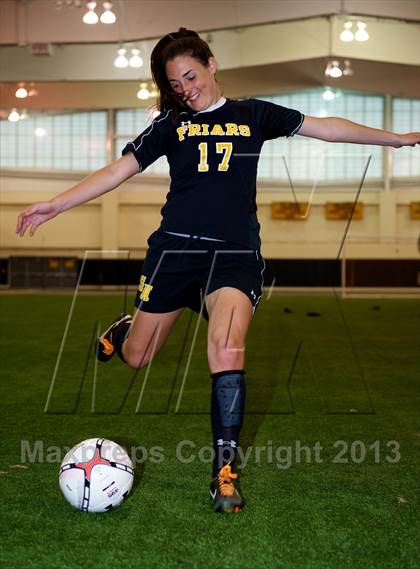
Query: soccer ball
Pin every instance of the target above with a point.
(96, 475)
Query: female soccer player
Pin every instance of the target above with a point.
(207, 248)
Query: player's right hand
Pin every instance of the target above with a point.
(33, 216)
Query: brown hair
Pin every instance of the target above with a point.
(183, 42)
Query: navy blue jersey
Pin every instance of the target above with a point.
(213, 157)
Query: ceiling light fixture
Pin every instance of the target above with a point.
(32, 91)
(135, 59)
(143, 93)
(91, 17)
(347, 34)
(348, 71)
(108, 16)
(67, 4)
(14, 116)
(21, 91)
(121, 61)
(328, 94)
(361, 34)
(333, 69)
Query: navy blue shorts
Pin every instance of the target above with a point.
(179, 272)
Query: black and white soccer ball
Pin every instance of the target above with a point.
(96, 475)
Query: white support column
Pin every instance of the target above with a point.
(387, 215)
(388, 151)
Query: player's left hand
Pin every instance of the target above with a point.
(409, 139)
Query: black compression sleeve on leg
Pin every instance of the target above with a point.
(227, 410)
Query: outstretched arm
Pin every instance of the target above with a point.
(334, 129)
(91, 187)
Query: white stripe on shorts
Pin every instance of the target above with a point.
(194, 236)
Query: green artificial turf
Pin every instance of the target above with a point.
(345, 382)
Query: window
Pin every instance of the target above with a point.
(74, 141)
(128, 125)
(78, 141)
(406, 118)
(308, 159)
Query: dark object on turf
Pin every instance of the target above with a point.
(225, 492)
(313, 314)
(112, 339)
(376, 307)
(287, 310)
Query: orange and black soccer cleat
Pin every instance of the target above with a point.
(112, 339)
(225, 492)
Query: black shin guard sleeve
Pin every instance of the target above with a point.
(227, 410)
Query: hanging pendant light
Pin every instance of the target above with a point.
(347, 34)
(361, 34)
(328, 94)
(135, 59)
(347, 71)
(121, 61)
(143, 93)
(91, 17)
(335, 70)
(108, 16)
(21, 91)
(14, 116)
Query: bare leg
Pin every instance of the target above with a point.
(148, 334)
(230, 312)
